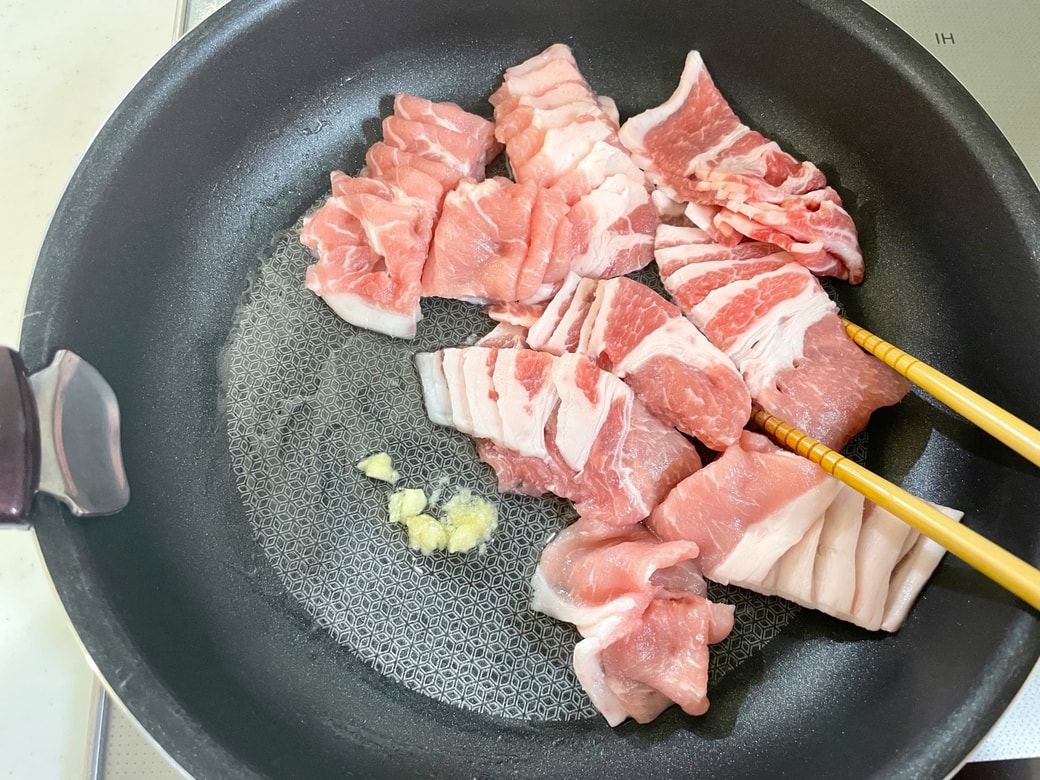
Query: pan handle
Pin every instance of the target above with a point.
(19, 439)
(59, 434)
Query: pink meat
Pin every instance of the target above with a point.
(520, 314)
(588, 565)
(372, 235)
(466, 153)
(416, 175)
(559, 134)
(454, 118)
(481, 241)
(370, 239)
(777, 324)
(613, 228)
(772, 522)
(628, 329)
(494, 241)
(834, 388)
(505, 336)
(639, 604)
(745, 509)
(666, 652)
(696, 149)
(559, 425)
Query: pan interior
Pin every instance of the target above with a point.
(307, 397)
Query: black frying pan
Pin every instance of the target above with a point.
(216, 152)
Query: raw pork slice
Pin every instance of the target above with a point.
(494, 241)
(558, 425)
(372, 235)
(559, 134)
(770, 521)
(640, 605)
(628, 329)
(505, 335)
(443, 132)
(371, 240)
(696, 149)
(777, 324)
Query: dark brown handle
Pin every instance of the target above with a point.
(19, 439)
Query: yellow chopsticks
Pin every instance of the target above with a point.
(1020, 436)
(974, 549)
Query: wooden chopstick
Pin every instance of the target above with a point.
(1017, 434)
(971, 547)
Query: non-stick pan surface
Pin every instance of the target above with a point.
(225, 144)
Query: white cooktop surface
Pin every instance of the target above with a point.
(67, 63)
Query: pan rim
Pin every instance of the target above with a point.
(108, 644)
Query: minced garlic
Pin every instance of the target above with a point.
(426, 534)
(467, 523)
(379, 466)
(406, 503)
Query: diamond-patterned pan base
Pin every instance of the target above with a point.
(307, 397)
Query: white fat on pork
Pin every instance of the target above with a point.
(773, 340)
(560, 425)
(833, 588)
(911, 574)
(779, 525)
(435, 387)
(627, 328)
(371, 315)
(640, 607)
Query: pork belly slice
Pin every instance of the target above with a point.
(371, 241)
(505, 335)
(494, 241)
(770, 521)
(443, 132)
(746, 509)
(592, 573)
(782, 331)
(696, 150)
(558, 425)
(558, 133)
(628, 329)
(640, 605)
(372, 236)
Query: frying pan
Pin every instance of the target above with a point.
(228, 141)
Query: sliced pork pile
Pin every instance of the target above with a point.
(372, 235)
(640, 606)
(626, 328)
(739, 183)
(590, 383)
(558, 425)
(770, 521)
(781, 329)
(559, 134)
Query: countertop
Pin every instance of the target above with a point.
(67, 63)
